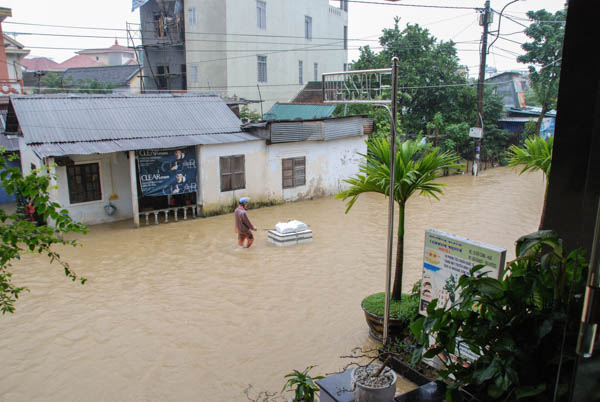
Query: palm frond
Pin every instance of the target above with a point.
(415, 171)
(536, 154)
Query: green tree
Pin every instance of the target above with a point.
(54, 83)
(249, 114)
(415, 172)
(20, 234)
(431, 66)
(536, 154)
(543, 55)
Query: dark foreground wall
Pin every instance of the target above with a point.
(575, 176)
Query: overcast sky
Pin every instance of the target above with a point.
(366, 21)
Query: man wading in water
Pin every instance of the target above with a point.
(243, 226)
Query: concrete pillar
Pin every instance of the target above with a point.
(53, 185)
(199, 197)
(134, 194)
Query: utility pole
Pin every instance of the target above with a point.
(485, 20)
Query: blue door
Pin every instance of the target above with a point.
(5, 198)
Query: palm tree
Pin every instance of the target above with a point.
(536, 154)
(415, 171)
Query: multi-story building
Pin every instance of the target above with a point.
(256, 49)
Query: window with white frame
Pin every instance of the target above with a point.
(307, 27)
(194, 73)
(84, 182)
(192, 16)
(316, 78)
(261, 64)
(300, 68)
(261, 14)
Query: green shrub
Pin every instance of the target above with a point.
(406, 309)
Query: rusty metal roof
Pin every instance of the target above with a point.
(64, 124)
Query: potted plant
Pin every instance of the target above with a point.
(416, 170)
(373, 383)
(302, 384)
(402, 312)
(521, 329)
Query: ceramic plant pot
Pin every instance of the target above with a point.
(383, 392)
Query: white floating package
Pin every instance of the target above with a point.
(290, 233)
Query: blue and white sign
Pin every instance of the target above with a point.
(167, 172)
(547, 127)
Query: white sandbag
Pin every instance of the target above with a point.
(292, 226)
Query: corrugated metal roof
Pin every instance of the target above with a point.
(92, 147)
(298, 111)
(322, 130)
(120, 75)
(341, 128)
(81, 118)
(55, 125)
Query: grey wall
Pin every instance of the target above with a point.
(167, 50)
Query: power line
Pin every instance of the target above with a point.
(515, 21)
(411, 5)
(187, 32)
(509, 40)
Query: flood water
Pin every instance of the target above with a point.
(178, 312)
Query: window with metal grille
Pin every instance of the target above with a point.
(162, 77)
(316, 78)
(184, 76)
(307, 27)
(194, 73)
(345, 37)
(262, 68)
(300, 68)
(294, 172)
(261, 14)
(159, 26)
(192, 16)
(233, 172)
(84, 182)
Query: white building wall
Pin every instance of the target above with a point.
(328, 163)
(231, 64)
(117, 182)
(210, 178)
(28, 157)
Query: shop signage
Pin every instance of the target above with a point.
(167, 172)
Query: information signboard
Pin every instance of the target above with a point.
(167, 172)
(447, 257)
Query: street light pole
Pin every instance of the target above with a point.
(392, 201)
(485, 21)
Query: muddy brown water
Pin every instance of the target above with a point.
(178, 312)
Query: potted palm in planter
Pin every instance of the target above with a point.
(416, 170)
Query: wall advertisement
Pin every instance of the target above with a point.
(446, 258)
(167, 172)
